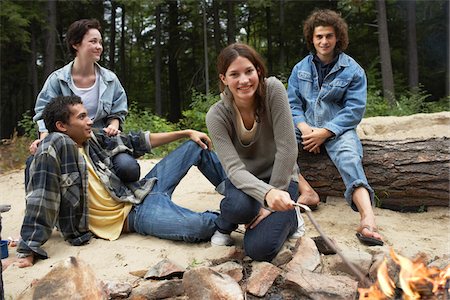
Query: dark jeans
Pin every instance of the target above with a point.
(125, 167)
(263, 242)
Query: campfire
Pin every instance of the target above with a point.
(415, 281)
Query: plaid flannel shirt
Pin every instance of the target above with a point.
(57, 191)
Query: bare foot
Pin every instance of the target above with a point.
(309, 198)
(25, 262)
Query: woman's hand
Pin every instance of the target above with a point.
(279, 200)
(34, 145)
(201, 138)
(263, 213)
(111, 130)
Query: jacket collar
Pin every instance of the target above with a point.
(66, 73)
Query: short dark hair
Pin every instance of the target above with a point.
(77, 30)
(58, 109)
(326, 17)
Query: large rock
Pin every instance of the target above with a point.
(206, 284)
(306, 256)
(321, 286)
(69, 279)
(158, 289)
(262, 277)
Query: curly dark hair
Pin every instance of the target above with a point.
(77, 30)
(233, 51)
(58, 109)
(326, 17)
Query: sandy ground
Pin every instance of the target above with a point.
(407, 233)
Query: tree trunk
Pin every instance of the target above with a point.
(50, 48)
(217, 31)
(205, 49)
(122, 49)
(112, 39)
(447, 84)
(231, 23)
(174, 88)
(413, 66)
(158, 100)
(404, 174)
(282, 57)
(385, 53)
(269, 39)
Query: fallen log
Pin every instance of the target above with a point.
(407, 174)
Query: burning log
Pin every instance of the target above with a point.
(404, 174)
(415, 281)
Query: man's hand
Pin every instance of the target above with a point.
(279, 200)
(305, 129)
(263, 213)
(313, 141)
(201, 138)
(25, 262)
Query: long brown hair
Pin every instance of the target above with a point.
(233, 51)
(326, 17)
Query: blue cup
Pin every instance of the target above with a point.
(4, 248)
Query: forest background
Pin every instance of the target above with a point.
(164, 53)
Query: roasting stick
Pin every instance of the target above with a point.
(352, 267)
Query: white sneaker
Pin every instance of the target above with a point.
(301, 225)
(221, 239)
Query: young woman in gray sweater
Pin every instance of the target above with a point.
(253, 134)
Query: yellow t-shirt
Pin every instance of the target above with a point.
(106, 215)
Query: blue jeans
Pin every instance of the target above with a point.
(126, 167)
(158, 216)
(263, 242)
(346, 153)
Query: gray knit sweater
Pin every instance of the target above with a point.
(271, 156)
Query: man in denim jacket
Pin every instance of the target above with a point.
(327, 93)
(73, 185)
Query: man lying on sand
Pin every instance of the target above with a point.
(73, 185)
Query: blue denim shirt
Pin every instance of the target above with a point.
(112, 103)
(338, 105)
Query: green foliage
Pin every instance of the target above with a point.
(408, 103)
(194, 118)
(29, 127)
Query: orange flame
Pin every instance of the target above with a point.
(415, 280)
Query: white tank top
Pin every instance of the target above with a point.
(89, 95)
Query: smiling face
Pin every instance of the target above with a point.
(242, 79)
(91, 47)
(324, 40)
(79, 125)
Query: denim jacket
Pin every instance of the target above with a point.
(112, 103)
(338, 105)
